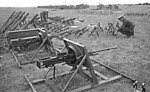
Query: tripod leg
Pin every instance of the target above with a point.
(47, 72)
(54, 70)
(75, 72)
(38, 49)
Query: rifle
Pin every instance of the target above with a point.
(96, 52)
(8, 19)
(30, 22)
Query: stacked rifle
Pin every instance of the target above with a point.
(16, 19)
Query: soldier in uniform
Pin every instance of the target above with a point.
(1, 66)
(44, 15)
(143, 87)
(127, 27)
(135, 86)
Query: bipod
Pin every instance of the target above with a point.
(116, 28)
(95, 30)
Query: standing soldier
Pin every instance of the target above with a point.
(135, 86)
(127, 27)
(143, 87)
(44, 15)
(1, 66)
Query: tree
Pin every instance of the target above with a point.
(100, 6)
(116, 7)
(109, 7)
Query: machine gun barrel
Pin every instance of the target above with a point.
(96, 52)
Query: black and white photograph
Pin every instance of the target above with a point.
(74, 46)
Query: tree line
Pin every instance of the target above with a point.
(80, 6)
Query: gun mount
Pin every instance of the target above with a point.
(76, 56)
(23, 38)
(29, 40)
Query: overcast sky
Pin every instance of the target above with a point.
(29, 3)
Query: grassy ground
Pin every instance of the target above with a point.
(132, 56)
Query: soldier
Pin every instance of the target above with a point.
(135, 86)
(44, 15)
(143, 87)
(127, 27)
(1, 66)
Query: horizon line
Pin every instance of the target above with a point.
(66, 4)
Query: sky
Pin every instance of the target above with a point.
(30, 3)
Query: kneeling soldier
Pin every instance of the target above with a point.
(127, 27)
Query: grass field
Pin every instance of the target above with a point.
(132, 56)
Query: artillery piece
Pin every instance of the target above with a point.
(74, 55)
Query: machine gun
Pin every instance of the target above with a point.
(23, 41)
(22, 38)
(72, 57)
(69, 21)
